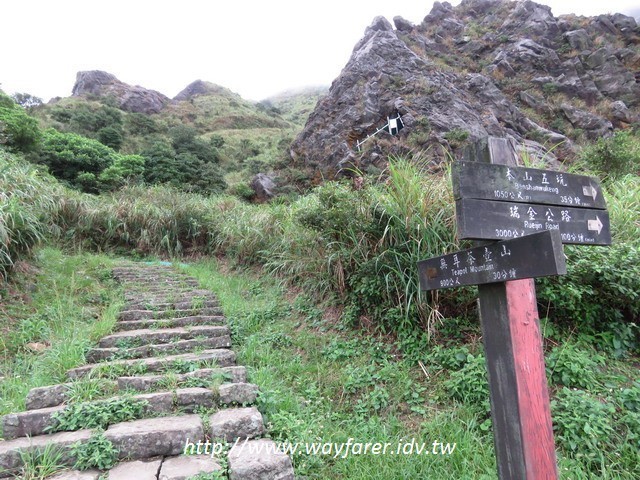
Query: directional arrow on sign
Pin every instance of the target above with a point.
(498, 220)
(589, 191)
(595, 225)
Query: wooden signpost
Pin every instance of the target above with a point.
(533, 212)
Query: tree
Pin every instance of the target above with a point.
(26, 100)
(140, 124)
(160, 164)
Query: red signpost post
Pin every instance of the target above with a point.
(520, 407)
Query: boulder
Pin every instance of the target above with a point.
(402, 25)
(578, 39)
(263, 186)
(595, 126)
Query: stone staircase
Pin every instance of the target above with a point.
(169, 359)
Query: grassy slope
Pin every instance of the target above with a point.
(55, 311)
(320, 381)
(322, 385)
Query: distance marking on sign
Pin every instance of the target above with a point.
(527, 185)
(536, 255)
(490, 220)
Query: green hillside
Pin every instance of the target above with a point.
(243, 137)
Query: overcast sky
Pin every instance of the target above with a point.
(254, 47)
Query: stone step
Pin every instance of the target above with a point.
(259, 460)
(147, 438)
(137, 440)
(178, 304)
(191, 321)
(235, 424)
(235, 374)
(175, 296)
(222, 358)
(78, 475)
(184, 467)
(52, 395)
(96, 355)
(163, 314)
(136, 469)
(164, 335)
(155, 286)
(142, 292)
(157, 280)
(11, 451)
(38, 422)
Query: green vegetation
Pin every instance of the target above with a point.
(364, 354)
(353, 387)
(64, 304)
(18, 131)
(98, 414)
(97, 452)
(611, 158)
(41, 463)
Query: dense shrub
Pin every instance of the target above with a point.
(614, 156)
(182, 168)
(111, 137)
(86, 119)
(68, 155)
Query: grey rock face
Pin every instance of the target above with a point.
(199, 87)
(470, 71)
(402, 25)
(578, 39)
(595, 126)
(129, 98)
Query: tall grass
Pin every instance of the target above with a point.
(359, 245)
(25, 206)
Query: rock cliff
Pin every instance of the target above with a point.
(485, 67)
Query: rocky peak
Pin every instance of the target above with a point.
(97, 83)
(200, 87)
(92, 82)
(484, 67)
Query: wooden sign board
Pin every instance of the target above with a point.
(527, 185)
(531, 256)
(490, 220)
